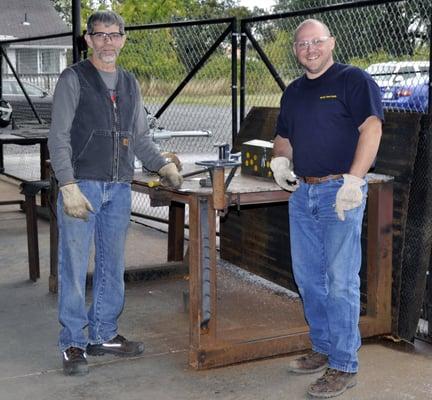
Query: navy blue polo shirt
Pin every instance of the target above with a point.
(321, 116)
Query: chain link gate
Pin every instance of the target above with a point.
(188, 81)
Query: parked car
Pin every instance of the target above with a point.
(393, 73)
(22, 112)
(404, 85)
(408, 96)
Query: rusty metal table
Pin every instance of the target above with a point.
(206, 348)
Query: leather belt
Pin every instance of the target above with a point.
(313, 180)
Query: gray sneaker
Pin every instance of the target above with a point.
(333, 383)
(309, 364)
(75, 362)
(119, 346)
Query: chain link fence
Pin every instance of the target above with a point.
(388, 39)
(185, 71)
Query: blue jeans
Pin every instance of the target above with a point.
(326, 259)
(107, 227)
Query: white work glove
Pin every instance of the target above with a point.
(172, 157)
(283, 173)
(75, 204)
(350, 195)
(170, 176)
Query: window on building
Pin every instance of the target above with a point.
(27, 61)
(49, 61)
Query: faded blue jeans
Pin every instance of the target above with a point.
(326, 259)
(107, 227)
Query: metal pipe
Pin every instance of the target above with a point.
(180, 24)
(1, 72)
(20, 84)
(33, 38)
(194, 70)
(76, 30)
(266, 60)
(234, 36)
(243, 50)
(430, 70)
(204, 230)
(319, 10)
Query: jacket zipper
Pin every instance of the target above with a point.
(116, 154)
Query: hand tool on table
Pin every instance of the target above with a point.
(155, 183)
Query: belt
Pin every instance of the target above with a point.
(313, 180)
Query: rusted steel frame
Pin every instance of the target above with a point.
(44, 170)
(201, 335)
(53, 194)
(378, 318)
(232, 353)
(261, 197)
(379, 253)
(32, 237)
(176, 231)
(207, 351)
(11, 202)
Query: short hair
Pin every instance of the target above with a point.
(311, 21)
(107, 18)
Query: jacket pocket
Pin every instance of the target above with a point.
(95, 160)
(126, 155)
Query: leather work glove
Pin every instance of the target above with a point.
(283, 173)
(172, 157)
(75, 204)
(170, 176)
(349, 196)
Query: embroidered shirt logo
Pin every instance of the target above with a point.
(328, 96)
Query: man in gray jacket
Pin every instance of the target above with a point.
(98, 126)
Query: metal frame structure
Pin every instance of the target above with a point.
(207, 349)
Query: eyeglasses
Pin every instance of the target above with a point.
(316, 42)
(102, 36)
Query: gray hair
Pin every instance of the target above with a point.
(107, 18)
(311, 21)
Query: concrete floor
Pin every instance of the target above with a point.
(30, 365)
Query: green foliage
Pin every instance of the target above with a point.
(151, 11)
(421, 53)
(64, 8)
(372, 58)
(149, 54)
(280, 53)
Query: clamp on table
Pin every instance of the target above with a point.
(216, 170)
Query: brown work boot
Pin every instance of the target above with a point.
(333, 383)
(309, 364)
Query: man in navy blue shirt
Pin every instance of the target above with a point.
(327, 137)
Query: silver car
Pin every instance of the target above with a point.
(22, 112)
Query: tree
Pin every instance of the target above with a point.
(64, 8)
(394, 28)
